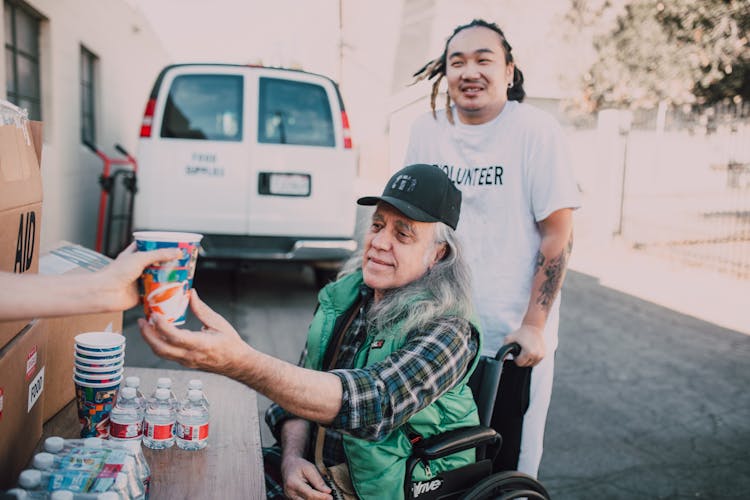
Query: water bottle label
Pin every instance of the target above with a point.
(158, 432)
(67, 479)
(84, 459)
(125, 431)
(192, 432)
(107, 477)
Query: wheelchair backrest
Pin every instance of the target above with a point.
(483, 383)
(486, 379)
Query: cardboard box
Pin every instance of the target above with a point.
(69, 258)
(22, 385)
(20, 202)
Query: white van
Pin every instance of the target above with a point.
(259, 160)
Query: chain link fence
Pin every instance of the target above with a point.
(686, 186)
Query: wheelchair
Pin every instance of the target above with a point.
(474, 481)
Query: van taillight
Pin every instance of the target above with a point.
(347, 132)
(148, 118)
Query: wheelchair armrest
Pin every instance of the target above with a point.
(451, 442)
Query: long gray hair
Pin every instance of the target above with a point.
(444, 290)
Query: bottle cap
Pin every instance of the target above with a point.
(162, 393)
(30, 478)
(132, 381)
(54, 444)
(128, 392)
(165, 382)
(43, 461)
(195, 384)
(92, 442)
(16, 493)
(61, 495)
(195, 395)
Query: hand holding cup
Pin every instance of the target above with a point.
(165, 286)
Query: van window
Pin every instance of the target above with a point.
(204, 107)
(292, 112)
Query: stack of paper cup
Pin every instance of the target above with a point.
(99, 360)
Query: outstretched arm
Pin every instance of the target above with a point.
(113, 288)
(549, 273)
(218, 348)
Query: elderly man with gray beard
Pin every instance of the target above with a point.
(388, 355)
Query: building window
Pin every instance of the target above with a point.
(22, 58)
(88, 96)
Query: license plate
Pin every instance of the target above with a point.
(289, 184)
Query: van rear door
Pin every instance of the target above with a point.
(303, 178)
(193, 170)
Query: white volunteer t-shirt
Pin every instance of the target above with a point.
(512, 172)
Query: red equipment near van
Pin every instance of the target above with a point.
(113, 228)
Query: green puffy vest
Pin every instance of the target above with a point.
(377, 468)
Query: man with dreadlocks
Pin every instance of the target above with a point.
(510, 163)
(388, 356)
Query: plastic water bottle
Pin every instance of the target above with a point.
(198, 384)
(159, 422)
(127, 458)
(166, 383)
(135, 383)
(142, 469)
(191, 431)
(31, 484)
(61, 495)
(126, 418)
(22, 494)
(54, 444)
(161, 383)
(44, 461)
(30, 479)
(60, 469)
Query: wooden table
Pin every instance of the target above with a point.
(230, 467)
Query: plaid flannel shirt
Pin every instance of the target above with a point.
(381, 397)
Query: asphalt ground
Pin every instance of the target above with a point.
(647, 402)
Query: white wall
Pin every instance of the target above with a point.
(130, 56)
(370, 40)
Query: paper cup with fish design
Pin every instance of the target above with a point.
(165, 286)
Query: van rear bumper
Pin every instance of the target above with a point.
(276, 248)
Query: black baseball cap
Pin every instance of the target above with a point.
(423, 193)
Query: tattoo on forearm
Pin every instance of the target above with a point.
(554, 272)
(539, 262)
(553, 275)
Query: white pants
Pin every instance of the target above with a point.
(535, 418)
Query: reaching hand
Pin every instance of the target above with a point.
(533, 348)
(118, 279)
(216, 348)
(302, 479)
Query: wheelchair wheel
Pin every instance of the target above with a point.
(507, 485)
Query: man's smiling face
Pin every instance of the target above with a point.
(398, 250)
(477, 74)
